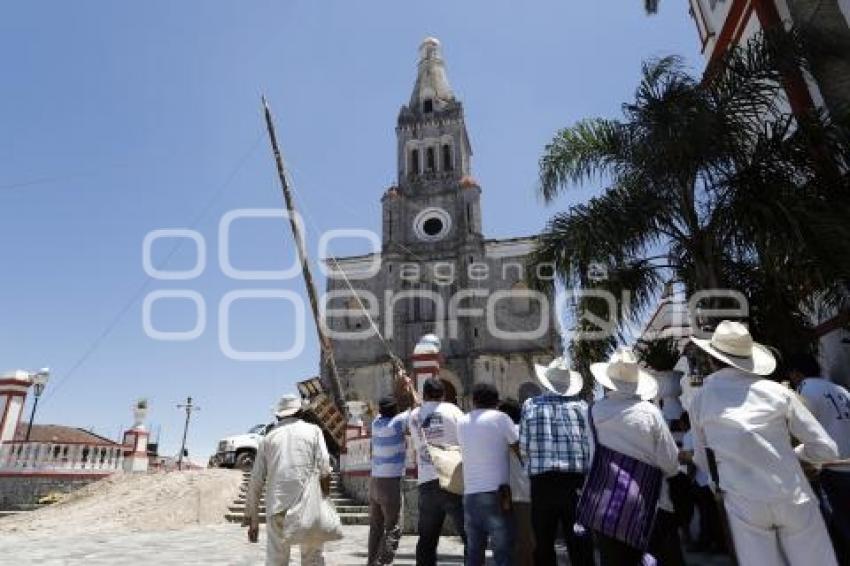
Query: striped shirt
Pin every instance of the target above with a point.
(388, 450)
(553, 434)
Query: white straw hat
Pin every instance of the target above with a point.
(558, 378)
(623, 373)
(287, 406)
(732, 344)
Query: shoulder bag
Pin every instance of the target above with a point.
(620, 495)
(313, 519)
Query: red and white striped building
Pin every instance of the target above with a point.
(722, 24)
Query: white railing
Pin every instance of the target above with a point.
(60, 458)
(357, 456)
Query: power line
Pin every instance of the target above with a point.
(87, 353)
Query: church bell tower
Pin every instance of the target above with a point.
(436, 202)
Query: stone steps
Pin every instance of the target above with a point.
(350, 512)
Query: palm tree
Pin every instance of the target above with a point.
(713, 183)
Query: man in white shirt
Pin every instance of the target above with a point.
(748, 423)
(286, 457)
(486, 435)
(435, 422)
(830, 404)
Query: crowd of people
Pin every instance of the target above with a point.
(765, 465)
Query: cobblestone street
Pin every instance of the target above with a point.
(218, 544)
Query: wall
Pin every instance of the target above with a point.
(357, 487)
(23, 489)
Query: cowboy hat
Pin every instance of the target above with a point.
(732, 344)
(623, 373)
(287, 406)
(558, 378)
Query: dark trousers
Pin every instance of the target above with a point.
(682, 496)
(434, 504)
(664, 545)
(384, 527)
(554, 496)
(710, 528)
(835, 486)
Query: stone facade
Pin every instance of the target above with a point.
(22, 489)
(436, 272)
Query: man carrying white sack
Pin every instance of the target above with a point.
(748, 423)
(286, 457)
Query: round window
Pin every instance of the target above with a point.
(432, 224)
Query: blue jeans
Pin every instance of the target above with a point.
(483, 517)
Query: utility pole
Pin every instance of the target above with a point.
(324, 342)
(190, 408)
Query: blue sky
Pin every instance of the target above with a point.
(120, 118)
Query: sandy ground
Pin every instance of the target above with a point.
(143, 502)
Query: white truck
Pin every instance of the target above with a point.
(238, 451)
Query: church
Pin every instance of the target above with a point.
(436, 273)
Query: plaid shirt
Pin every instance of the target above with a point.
(553, 434)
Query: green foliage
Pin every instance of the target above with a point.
(711, 182)
(660, 354)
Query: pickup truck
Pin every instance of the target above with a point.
(238, 451)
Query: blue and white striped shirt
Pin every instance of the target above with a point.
(388, 453)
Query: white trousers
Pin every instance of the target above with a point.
(777, 534)
(278, 551)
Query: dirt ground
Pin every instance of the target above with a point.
(136, 502)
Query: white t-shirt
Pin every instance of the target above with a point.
(441, 429)
(484, 436)
(830, 404)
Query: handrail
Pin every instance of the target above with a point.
(61, 457)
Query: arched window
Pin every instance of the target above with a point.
(447, 157)
(430, 160)
(354, 315)
(414, 162)
(427, 106)
(521, 301)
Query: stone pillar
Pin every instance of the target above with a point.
(13, 395)
(355, 426)
(426, 360)
(136, 442)
(136, 450)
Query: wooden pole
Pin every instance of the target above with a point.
(189, 408)
(324, 342)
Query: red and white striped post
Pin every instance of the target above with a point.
(13, 395)
(426, 360)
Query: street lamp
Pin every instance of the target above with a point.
(39, 380)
